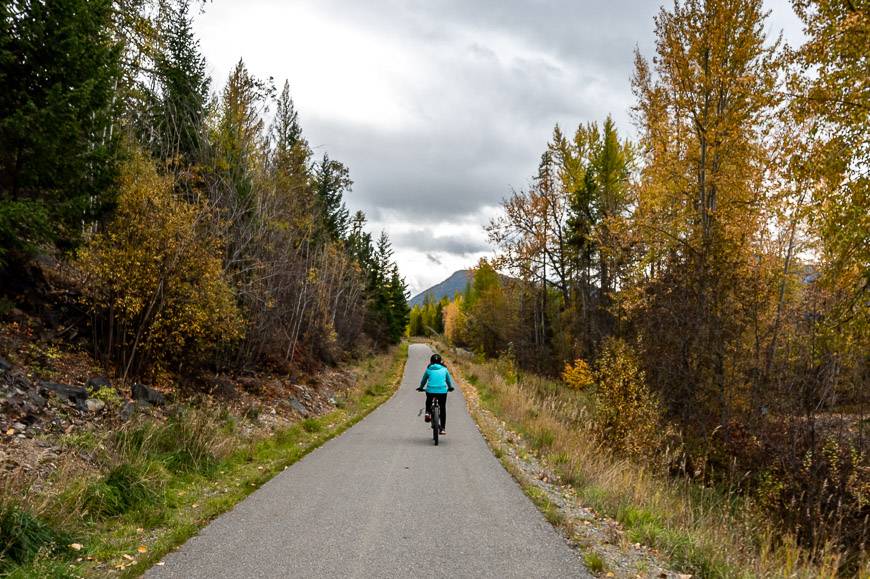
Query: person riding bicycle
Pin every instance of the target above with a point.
(436, 382)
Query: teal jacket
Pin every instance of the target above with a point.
(438, 378)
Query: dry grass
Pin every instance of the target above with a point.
(152, 484)
(699, 530)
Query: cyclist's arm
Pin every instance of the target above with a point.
(425, 378)
(449, 382)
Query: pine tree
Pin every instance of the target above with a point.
(239, 137)
(183, 100)
(289, 163)
(331, 182)
(58, 64)
(398, 305)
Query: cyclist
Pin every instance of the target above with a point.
(436, 382)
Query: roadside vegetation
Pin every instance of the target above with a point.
(706, 531)
(178, 271)
(151, 484)
(698, 298)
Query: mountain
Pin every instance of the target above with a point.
(447, 288)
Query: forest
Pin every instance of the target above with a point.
(707, 283)
(180, 226)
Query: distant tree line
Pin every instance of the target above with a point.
(199, 228)
(709, 282)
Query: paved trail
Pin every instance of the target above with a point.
(382, 501)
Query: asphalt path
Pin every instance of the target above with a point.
(382, 501)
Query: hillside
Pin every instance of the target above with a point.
(447, 288)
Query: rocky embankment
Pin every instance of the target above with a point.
(51, 392)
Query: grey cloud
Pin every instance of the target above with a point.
(425, 240)
(498, 75)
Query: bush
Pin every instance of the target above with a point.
(578, 375)
(154, 279)
(627, 413)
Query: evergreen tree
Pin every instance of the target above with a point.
(239, 136)
(183, 102)
(398, 305)
(331, 182)
(359, 242)
(58, 65)
(290, 164)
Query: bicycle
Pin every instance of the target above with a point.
(434, 418)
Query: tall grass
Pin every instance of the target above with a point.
(707, 532)
(167, 478)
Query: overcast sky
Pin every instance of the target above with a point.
(439, 107)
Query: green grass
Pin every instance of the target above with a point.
(594, 562)
(161, 483)
(25, 538)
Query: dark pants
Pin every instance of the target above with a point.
(442, 402)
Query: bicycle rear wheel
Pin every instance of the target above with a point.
(436, 423)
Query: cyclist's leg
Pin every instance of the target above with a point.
(442, 401)
(429, 403)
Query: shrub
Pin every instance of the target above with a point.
(578, 375)
(627, 413)
(154, 279)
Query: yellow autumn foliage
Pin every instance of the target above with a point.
(153, 280)
(578, 375)
(628, 415)
(455, 322)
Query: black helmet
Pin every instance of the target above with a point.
(435, 359)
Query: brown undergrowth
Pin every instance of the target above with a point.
(706, 532)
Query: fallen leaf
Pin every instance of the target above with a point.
(129, 557)
(142, 549)
(161, 563)
(140, 530)
(194, 505)
(10, 432)
(76, 546)
(610, 574)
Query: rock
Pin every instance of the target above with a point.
(97, 382)
(298, 407)
(251, 384)
(142, 393)
(5, 366)
(223, 388)
(128, 410)
(94, 404)
(333, 401)
(19, 426)
(36, 400)
(75, 394)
